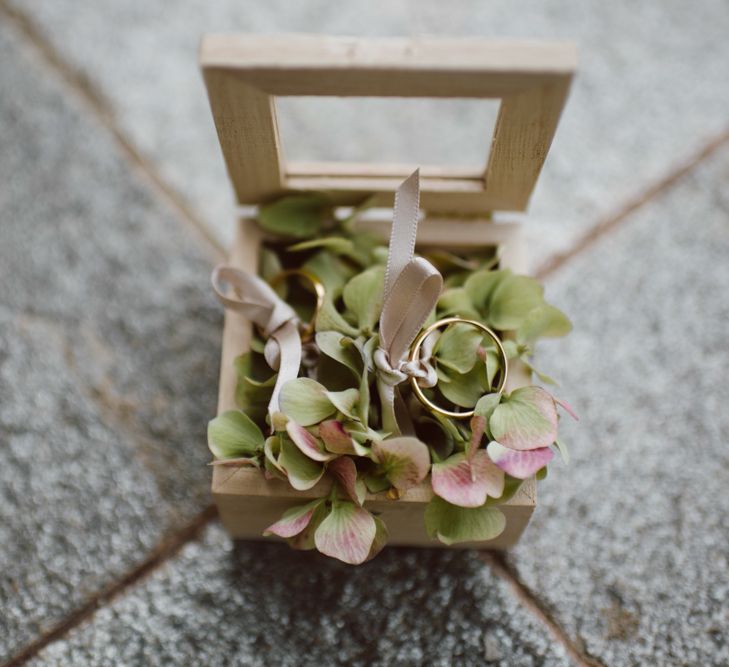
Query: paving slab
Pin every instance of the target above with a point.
(630, 546)
(109, 345)
(651, 89)
(223, 603)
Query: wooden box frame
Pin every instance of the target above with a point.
(243, 74)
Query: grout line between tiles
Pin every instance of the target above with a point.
(165, 550)
(498, 563)
(608, 224)
(89, 95)
(86, 91)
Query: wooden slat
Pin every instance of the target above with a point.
(522, 137)
(418, 67)
(298, 169)
(243, 72)
(248, 503)
(245, 120)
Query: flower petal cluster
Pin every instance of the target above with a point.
(329, 439)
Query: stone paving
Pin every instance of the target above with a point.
(631, 546)
(651, 87)
(109, 345)
(108, 357)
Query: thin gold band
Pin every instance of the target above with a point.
(415, 352)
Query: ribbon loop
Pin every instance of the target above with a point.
(412, 288)
(256, 300)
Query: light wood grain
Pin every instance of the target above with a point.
(394, 67)
(244, 72)
(245, 120)
(248, 503)
(523, 134)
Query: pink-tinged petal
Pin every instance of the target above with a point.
(345, 472)
(467, 482)
(293, 520)
(304, 541)
(519, 464)
(347, 533)
(478, 426)
(525, 419)
(306, 442)
(405, 461)
(335, 438)
(567, 407)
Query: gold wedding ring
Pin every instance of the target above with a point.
(307, 330)
(415, 352)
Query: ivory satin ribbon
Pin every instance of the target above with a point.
(411, 291)
(412, 288)
(256, 300)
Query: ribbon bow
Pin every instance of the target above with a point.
(256, 300)
(412, 288)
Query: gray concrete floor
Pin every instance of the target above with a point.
(114, 205)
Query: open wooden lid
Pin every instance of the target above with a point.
(244, 74)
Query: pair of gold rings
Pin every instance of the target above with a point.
(307, 333)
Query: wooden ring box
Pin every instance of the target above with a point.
(245, 73)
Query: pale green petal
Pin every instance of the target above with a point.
(329, 319)
(455, 301)
(363, 406)
(300, 216)
(347, 534)
(452, 524)
(493, 367)
(272, 450)
(510, 348)
(269, 263)
(305, 401)
(344, 401)
(465, 389)
(363, 297)
(525, 419)
(330, 269)
(512, 301)
(377, 483)
(457, 347)
(302, 472)
(342, 349)
(233, 434)
(336, 244)
(404, 460)
(547, 379)
(544, 321)
(480, 285)
(255, 385)
(563, 451)
(486, 405)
